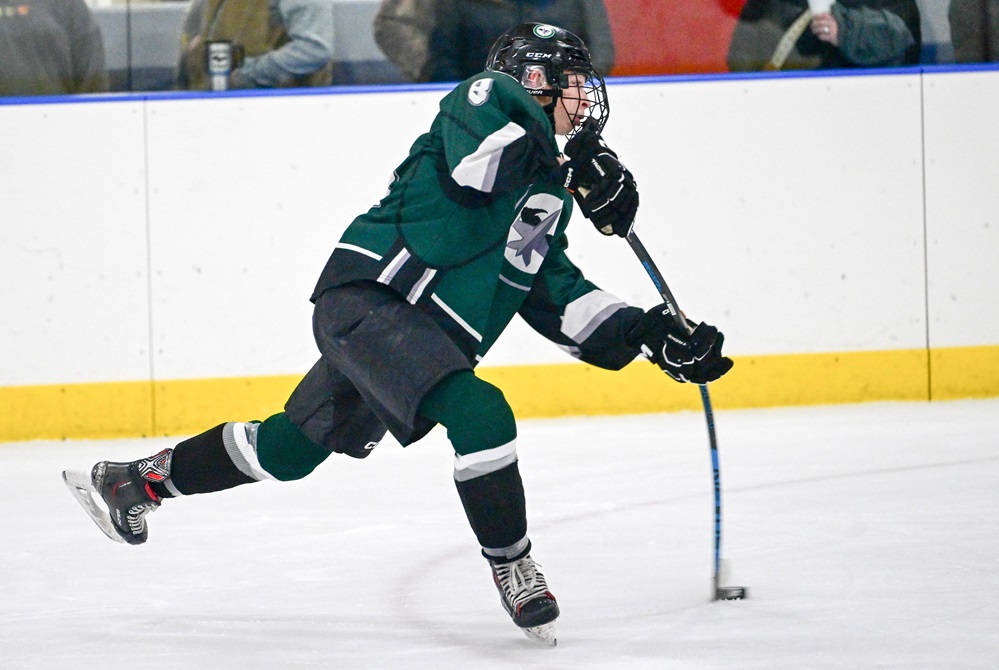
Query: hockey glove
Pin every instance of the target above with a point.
(604, 189)
(686, 356)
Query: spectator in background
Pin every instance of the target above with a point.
(284, 43)
(402, 31)
(776, 34)
(50, 47)
(465, 30)
(974, 30)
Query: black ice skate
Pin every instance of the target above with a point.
(125, 490)
(526, 598)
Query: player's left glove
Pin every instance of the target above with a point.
(693, 355)
(604, 189)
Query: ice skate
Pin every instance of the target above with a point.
(125, 491)
(526, 598)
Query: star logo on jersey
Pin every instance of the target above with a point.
(527, 243)
(533, 231)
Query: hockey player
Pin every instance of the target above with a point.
(471, 232)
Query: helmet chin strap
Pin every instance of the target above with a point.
(550, 113)
(550, 108)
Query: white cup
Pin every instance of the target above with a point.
(820, 6)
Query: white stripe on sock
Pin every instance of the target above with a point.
(249, 453)
(470, 466)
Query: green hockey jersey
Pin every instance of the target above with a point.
(472, 231)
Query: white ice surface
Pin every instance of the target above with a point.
(867, 534)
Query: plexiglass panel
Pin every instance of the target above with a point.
(54, 47)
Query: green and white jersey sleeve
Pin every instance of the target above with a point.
(474, 218)
(493, 143)
(589, 323)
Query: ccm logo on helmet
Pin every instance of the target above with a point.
(536, 54)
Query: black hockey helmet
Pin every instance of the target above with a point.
(540, 57)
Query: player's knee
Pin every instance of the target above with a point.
(475, 413)
(491, 414)
(284, 450)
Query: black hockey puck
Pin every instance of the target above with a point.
(731, 593)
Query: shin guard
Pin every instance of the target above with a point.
(204, 463)
(495, 507)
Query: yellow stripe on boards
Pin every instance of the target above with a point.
(74, 411)
(823, 379)
(964, 372)
(540, 391)
(755, 381)
(187, 407)
(190, 406)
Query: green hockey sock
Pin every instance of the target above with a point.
(284, 451)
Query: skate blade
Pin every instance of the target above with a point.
(545, 634)
(82, 488)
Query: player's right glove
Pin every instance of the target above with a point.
(685, 355)
(604, 189)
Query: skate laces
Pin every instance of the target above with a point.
(156, 468)
(520, 580)
(136, 515)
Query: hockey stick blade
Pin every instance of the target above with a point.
(731, 593)
(82, 488)
(727, 592)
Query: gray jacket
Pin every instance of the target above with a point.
(294, 48)
(54, 47)
(974, 30)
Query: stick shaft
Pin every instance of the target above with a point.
(657, 278)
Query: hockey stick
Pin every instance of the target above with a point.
(720, 592)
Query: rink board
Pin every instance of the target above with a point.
(840, 229)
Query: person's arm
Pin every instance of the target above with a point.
(599, 38)
(967, 30)
(589, 323)
(87, 49)
(600, 329)
(191, 54)
(755, 37)
(309, 24)
(446, 43)
(876, 37)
